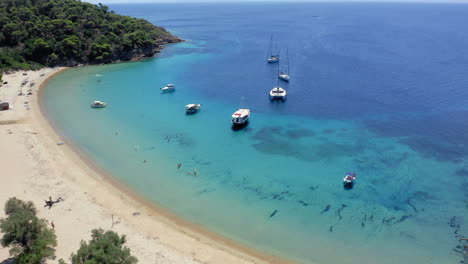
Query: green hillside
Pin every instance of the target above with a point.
(36, 33)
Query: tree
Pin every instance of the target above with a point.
(28, 236)
(104, 248)
(53, 32)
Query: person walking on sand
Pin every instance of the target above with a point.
(52, 224)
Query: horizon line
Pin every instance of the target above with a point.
(274, 1)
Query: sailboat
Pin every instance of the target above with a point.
(285, 75)
(272, 56)
(278, 93)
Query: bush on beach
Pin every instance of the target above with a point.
(28, 237)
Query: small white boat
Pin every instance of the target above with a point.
(240, 117)
(192, 108)
(98, 104)
(348, 180)
(273, 58)
(168, 88)
(278, 93)
(284, 76)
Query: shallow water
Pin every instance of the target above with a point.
(376, 88)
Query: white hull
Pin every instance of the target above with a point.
(284, 77)
(273, 59)
(168, 88)
(240, 117)
(98, 104)
(278, 93)
(192, 108)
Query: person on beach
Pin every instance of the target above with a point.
(52, 224)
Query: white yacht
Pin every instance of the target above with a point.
(240, 117)
(272, 56)
(192, 108)
(278, 93)
(168, 88)
(98, 104)
(284, 75)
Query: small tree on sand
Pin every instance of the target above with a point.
(28, 236)
(104, 248)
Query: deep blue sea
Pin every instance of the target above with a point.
(378, 88)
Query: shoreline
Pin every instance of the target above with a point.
(185, 239)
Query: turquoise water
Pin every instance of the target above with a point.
(392, 108)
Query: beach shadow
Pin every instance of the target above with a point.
(7, 261)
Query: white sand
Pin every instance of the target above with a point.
(33, 167)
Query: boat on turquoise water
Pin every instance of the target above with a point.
(192, 108)
(348, 180)
(240, 117)
(272, 55)
(98, 104)
(284, 75)
(168, 88)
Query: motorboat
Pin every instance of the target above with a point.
(168, 88)
(98, 104)
(192, 108)
(348, 180)
(240, 117)
(278, 93)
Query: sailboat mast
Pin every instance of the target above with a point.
(277, 78)
(287, 66)
(270, 49)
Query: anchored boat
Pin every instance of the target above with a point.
(284, 75)
(348, 180)
(168, 88)
(278, 93)
(98, 104)
(272, 56)
(192, 108)
(240, 117)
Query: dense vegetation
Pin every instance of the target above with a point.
(28, 237)
(68, 32)
(104, 248)
(31, 242)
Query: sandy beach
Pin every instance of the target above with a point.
(38, 163)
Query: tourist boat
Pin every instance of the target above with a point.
(277, 93)
(348, 180)
(240, 117)
(192, 108)
(98, 104)
(168, 88)
(272, 56)
(285, 75)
